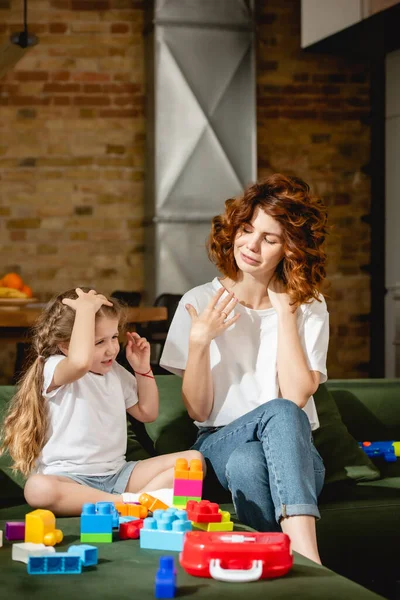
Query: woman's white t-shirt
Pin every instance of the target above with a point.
(243, 359)
(87, 422)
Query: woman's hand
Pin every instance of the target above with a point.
(278, 296)
(91, 300)
(213, 320)
(138, 352)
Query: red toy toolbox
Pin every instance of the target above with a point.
(236, 556)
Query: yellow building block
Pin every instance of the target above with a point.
(214, 526)
(181, 470)
(131, 510)
(152, 503)
(40, 528)
(184, 471)
(196, 469)
(225, 525)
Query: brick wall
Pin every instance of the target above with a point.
(72, 137)
(72, 146)
(313, 113)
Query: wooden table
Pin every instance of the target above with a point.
(15, 323)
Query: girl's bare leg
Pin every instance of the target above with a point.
(63, 496)
(301, 530)
(158, 472)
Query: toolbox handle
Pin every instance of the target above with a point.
(235, 575)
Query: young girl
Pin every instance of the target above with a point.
(252, 347)
(66, 426)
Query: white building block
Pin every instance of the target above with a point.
(22, 552)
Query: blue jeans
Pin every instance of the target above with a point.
(268, 461)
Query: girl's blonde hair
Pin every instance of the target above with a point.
(25, 426)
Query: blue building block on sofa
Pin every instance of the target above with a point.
(165, 583)
(89, 555)
(165, 530)
(59, 563)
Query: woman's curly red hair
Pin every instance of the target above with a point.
(303, 219)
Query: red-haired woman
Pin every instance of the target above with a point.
(252, 347)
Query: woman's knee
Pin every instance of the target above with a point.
(40, 491)
(246, 464)
(286, 410)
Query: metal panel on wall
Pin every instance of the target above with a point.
(202, 134)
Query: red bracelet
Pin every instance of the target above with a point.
(145, 374)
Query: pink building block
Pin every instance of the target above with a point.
(188, 487)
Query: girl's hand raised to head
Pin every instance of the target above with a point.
(138, 352)
(278, 296)
(91, 300)
(213, 320)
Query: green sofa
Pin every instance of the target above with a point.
(360, 508)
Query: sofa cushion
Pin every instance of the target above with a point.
(342, 456)
(173, 430)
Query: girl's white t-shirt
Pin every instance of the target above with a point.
(87, 422)
(243, 359)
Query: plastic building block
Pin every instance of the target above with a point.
(179, 501)
(130, 531)
(133, 509)
(188, 487)
(185, 471)
(188, 482)
(114, 512)
(152, 503)
(96, 522)
(181, 470)
(40, 528)
(22, 552)
(225, 525)
(15, 531)
(203, 512)
(59, 563)
(89, 555)
(127, 520)
(165, 530)
(165, 582)
(96, 538)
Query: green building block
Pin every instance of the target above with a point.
(96, 538)
(179, 501)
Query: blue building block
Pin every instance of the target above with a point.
(96, 521)
(89, 555)
(165, 583)
(59, 563)
(127, 519)
(114, 512)
(165, 530)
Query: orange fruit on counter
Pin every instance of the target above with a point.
(13, 280)
(27, 290)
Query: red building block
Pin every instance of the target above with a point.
(131, 530)
(203, 512)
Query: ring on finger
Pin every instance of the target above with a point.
(224, 313)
